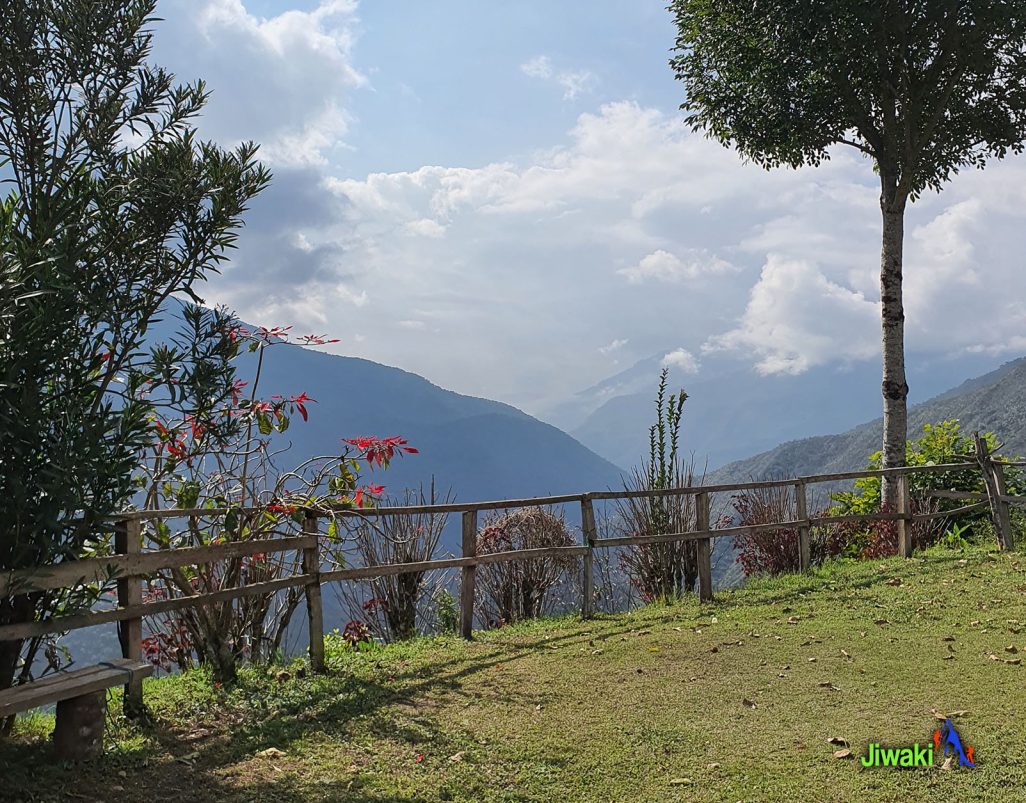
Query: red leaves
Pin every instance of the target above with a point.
(237, 387)
(380, 451)
(374, 603)
(237, 332)
(300, 402)
(356, 631)
(272, 334)
(317, 340)
(171, 440)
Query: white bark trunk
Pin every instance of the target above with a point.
(895, 388)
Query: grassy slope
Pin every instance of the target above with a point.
(643, 706)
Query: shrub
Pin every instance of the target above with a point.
(774, 552)
(516, 590)
(940, 443)
(446, 616)
(396, 602)
(660, 571)
(869, 540)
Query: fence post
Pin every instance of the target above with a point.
(314, 611)
(703, 548)
(804, 530)
(128, 541)
(904, 525)
(994, 482)
(1002, 516)
(467, 579)
(588, 534)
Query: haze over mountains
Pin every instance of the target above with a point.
(479, 448)
(732, 412)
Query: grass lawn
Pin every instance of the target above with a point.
(730, 701)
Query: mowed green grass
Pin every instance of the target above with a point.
(724, 702)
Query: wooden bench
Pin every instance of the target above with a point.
(81, 700)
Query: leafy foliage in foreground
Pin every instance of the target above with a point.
(113, 205)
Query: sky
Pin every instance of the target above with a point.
(503, 197)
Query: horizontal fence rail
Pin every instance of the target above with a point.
(542, 501)
(132, 564)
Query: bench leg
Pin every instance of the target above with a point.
(79, 731)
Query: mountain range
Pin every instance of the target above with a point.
(992, 402)
(733, 412)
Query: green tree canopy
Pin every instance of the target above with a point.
(113, 206)
(924, 88)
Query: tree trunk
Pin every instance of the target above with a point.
(895, 388)
(13, 610)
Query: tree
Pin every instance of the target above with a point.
(923, 88)
(113, 206)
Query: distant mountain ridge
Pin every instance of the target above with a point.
(733, 411)
(991, 402)
(478, 448)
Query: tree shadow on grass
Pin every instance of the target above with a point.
(335, 707)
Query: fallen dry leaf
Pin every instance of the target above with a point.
(894, 581)
(837, 740)
(947, 763)
(845, 753)
(455, 757)
(271, 752)
(713, 766)
(749, 703)
(680, 781)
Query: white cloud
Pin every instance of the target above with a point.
(779, 267)
(516, 264)
(426, 227)
(280, 80)
(682, 360)
(538, 67)
(573, 82)
(666, 267)
(797, 318)
(613, 346)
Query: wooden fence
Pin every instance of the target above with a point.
(132, 564)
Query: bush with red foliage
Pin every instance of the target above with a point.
(871, 540)
(773, 552)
